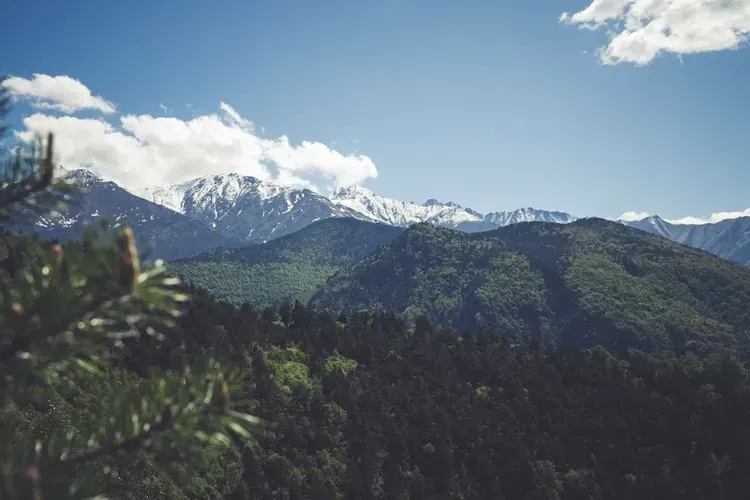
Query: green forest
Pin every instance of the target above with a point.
(287, 268)
(592, 282)
(367, 406)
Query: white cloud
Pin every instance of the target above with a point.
(714, 217)
(143, 150)
(59, 93)
(235, 117)
(642, 29)
(633, 216)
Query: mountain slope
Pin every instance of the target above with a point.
(246, 208)
(729, 238)
(160, 232)
(585, 283)
(285, 267)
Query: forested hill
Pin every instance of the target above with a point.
(287, 267)
(581, 284)
(366, 407)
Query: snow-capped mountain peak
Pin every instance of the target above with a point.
(81, 177)
(401, 213)
(448, 214)
(219, 188)
(652, 224)
(528, 214)
(352, 191)
(245, 207)
(432, 202)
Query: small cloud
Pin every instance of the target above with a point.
(713, 218)
(163, 108)
(633, 216)
(235, 117)
(59, 93)
(355, 141)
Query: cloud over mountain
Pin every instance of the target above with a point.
(146, 150)
(714, 217)
(711, 219)
(633, 216)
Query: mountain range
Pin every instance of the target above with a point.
(231, 210)
(729, 238)
(448, 214)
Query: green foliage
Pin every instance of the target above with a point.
(289, 369)
(587, 283)
(261, 285)
(339, 364)
(511, 296)
(290, 267)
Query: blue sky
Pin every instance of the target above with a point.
(494, 105)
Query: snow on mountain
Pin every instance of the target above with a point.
(160, 232)
(448, 214)
(653, 224)
(169, 196)
(528, 214)
(247, 208)
(401, 213)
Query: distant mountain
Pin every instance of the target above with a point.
(527, 215)
(287, 267)
(160, 232)
(586, 283)
(729, 238)
(444, 214)
(246, 208)
(400, 213)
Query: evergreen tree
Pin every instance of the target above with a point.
(66, 313)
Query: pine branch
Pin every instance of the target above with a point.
(159, 425)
